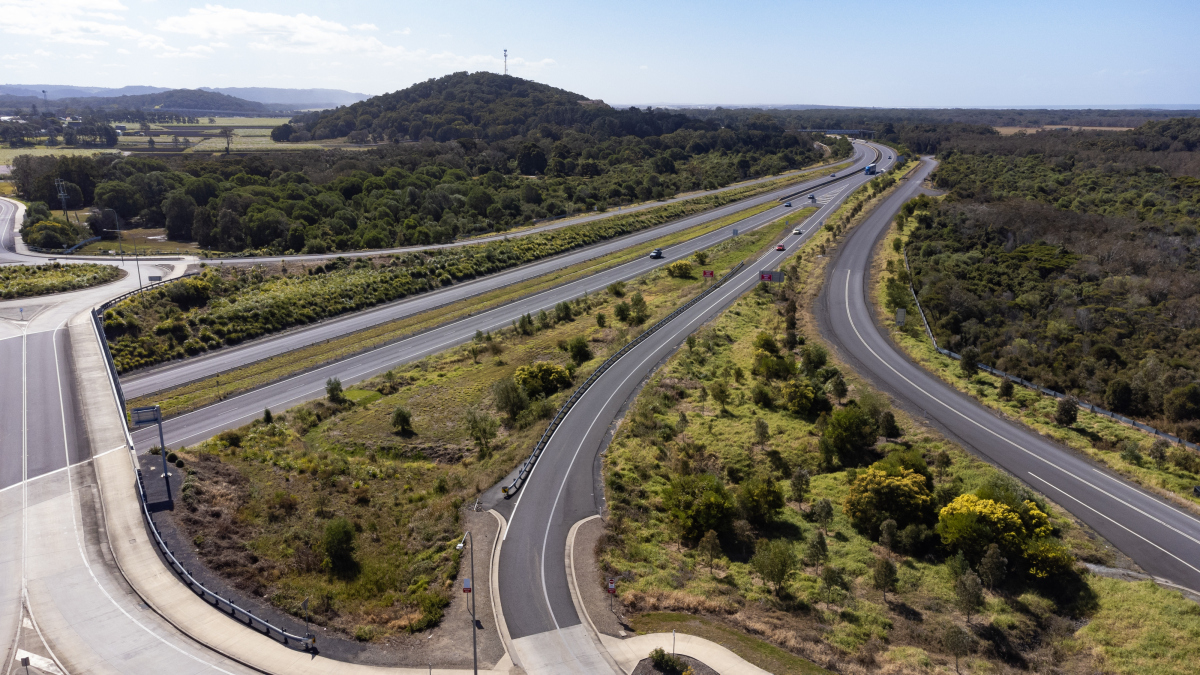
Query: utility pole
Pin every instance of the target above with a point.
(62, 197)
(467, 588)
(505, 61)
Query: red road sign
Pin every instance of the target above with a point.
(466, 585)
(708, 274)
(767, 275)
(612, 585)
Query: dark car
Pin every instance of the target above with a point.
(656, 254)
(787, 204)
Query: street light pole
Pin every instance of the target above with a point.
(474, 648)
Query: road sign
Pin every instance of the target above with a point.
(146, 415)
(466, 585)
(612, 585)
(768, 275)
(155, 277)
(708, 274)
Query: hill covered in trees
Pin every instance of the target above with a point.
(175, 99)
(515, 151)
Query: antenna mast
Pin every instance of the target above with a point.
(505, 61)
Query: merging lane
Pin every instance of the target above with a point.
(1163, 539)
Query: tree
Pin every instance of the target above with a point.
(709, 547)
(601, 319)
(849, 434)
(638, 311)
(402, 420)
(836, 387)
(762, 432)
(942, 461)
(333, 390)
(227, 134)
(180, 212)
(774, 561)
(531, 159)
(719, 392)
(701, 257)
(482, 428)
(958, 642)
(1158, 451)
(822, 513)
(1006, 389)
(542, 378)
(817, 549)
(968, 365)
(622, 312)
(993, 567)
(267, 417)
(970, 524)
(968, 594)
(798, 396)
(800, 483)
(1118, 395)
(883, 576)
(888, 533)
(510, 398)
(1066, 412)
(698, 503)
(680, 269)
(1182, 403)
(121, 197)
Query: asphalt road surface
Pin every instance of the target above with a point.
(172, 374)
(564, 486)
(241, 409)
(1162, 539)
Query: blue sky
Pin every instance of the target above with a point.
(854, 52)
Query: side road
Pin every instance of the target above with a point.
(236, 647)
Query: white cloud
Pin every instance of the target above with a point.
(365, 26)
(406, 31)
(269, 31)
(85, 22)
(41, 52)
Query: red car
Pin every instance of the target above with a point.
(779, 247)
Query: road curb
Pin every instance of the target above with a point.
(577, 600)
(494, 588)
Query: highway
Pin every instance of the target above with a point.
(1162, 539)
(565, 484)
(241, 409)
(172, 374)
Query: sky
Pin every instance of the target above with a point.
(899, 53)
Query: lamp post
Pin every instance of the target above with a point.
(468, 589)
(121, 247)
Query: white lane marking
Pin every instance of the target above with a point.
(1185, 515)
(1114, 522)
(971, 420)
(79, 540)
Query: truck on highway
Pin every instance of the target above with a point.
(870, 170)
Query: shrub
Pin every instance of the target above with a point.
(601, 320)
(760, 500)
(798, 396)
(762, 396)
(333, 390)
(876, 496)
(402, 420)
(667, 663)
(971, 525)
(542, 378)
(698, 503)
(680, 269)
(849, 434)
(1066, 412)
(231, 438)
(510, 398)
(968, 365)
(337, 541)
(578, 350)
(774, 561)
(1006, 388)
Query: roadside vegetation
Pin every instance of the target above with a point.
(757, 484)
(43, 229)
(22, 281)
(226, 306)
(354, 499)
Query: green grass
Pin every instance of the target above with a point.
(147, 241)
(759, 652)
(1142, 628)
(236, 122)
(204, 392)
(22, 281)
(8, 154)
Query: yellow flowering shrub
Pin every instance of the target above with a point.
(970, 523)
(876, 496)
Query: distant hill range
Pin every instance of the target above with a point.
(269, 98)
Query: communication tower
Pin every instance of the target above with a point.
(505, 61)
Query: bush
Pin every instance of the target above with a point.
(971, 524)
(510, 398)
(601, 320)
(774, 561)
(968, 365)
(849, 435)
(402, 420)
(667, 663)
(762, 396)
(699, 503)
(333, 390)
(760, 500)
(1066, 412)
(337, 542)
(542, 378)
(680, 269)
(876, 496)
(1006, 388)
(578, 350)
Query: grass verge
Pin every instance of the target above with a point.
(204, 392)
(759, 652)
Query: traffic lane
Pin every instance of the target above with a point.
(1160, 538)
(45, 443)
(12, 411)
(8, 228)
(188, 370)
(172, 375)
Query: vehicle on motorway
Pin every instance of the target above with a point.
(833, 175)
(870, 170)
(656, 254)
(779, 247)
(889, 156)
(812, 198)
(787, 203)
(797, 231)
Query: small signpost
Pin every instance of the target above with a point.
(466, 585)
(769, 276)
(708, 274)
(612, 590)
(735, 231)
(155, 277)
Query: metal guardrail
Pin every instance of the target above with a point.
(527, 466)
(1040, 389)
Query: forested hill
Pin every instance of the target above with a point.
(490, 107)
(175, 99)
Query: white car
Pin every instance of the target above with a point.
(797, 231)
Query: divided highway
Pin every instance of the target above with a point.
(547, 632)
(1162, 539)
(173, 374)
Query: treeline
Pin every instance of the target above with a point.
(419, 193)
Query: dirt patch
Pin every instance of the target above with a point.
(607, 614)
(644, 667)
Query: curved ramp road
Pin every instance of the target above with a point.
(202, 424)
(547, 632)
(1162, 539)
(173, 374)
